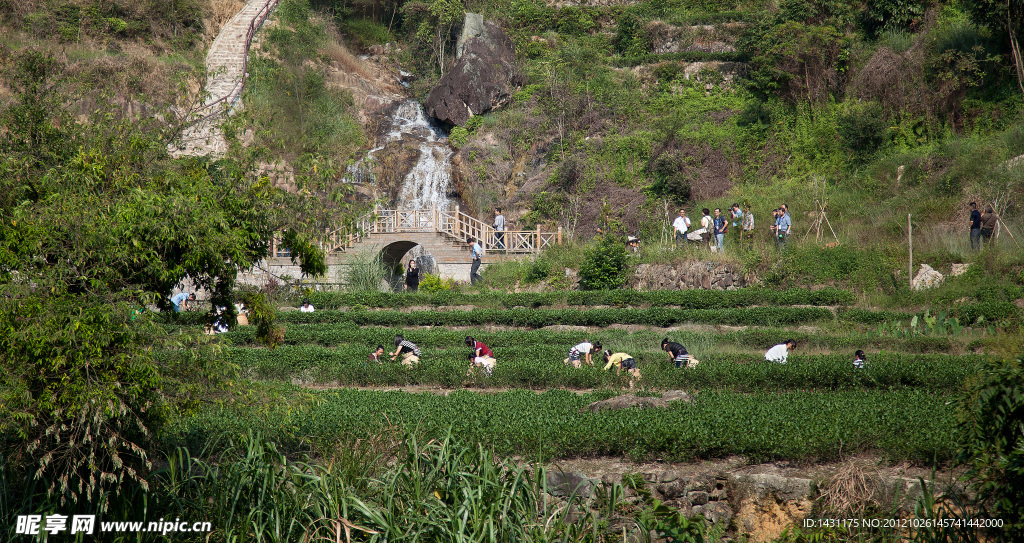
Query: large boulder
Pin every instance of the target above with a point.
(483, 77)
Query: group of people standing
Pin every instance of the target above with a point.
(715, 226)
(982, 226)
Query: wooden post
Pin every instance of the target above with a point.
(559, 235)
(910, 246)
(539, 244)
(435, 219)
(458, 223)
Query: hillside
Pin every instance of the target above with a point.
(669, 394)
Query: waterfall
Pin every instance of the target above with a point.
(427, 184)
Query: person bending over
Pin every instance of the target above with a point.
(585, 350)
(409, 351)
(860, 360)
(479, 349)
(481, 362)
(780, 352)
(622, 361)
(676, 353)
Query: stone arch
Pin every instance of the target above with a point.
(392, 253)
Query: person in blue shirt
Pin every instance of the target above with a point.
(475, 253)
(721, 225)
(180, 297)
(785, 224)
(737, 222)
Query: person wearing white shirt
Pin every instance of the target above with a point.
(780, 352)
(681, 225)
(307, 307)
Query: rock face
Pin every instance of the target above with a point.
(624, 402)
(483, 77)
(690, 275)
(927, 277)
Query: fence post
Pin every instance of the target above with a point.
(537, 247)
(458, 222)
(559, 235)
(436, 229)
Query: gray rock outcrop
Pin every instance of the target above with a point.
(688, 275)
(483, 77)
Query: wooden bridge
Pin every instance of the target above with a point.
(444, 234)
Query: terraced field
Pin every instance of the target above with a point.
(816, 407)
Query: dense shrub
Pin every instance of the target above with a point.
(604, 266)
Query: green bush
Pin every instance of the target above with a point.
(435, 283)
(992, 444)
(604, 266)
(458, 137)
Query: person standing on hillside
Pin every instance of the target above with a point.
(784, 226)
(680, 226)
(499, 229)
(737, 223)
(975, 227)
(721, 226)
(412, 277)
(676, 353)
(989, 219)
(475, 253)
(707, 224)
(748, 227)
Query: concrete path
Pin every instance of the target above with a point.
(225, 62)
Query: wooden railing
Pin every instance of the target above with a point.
(456, 225)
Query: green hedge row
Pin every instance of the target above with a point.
(915, 425)
(683, 299)
(540, 366)
(537, 318)
(331, 334)
(966, 313)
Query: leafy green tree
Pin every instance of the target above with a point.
(604, 266)
(96, 223)
(796, 61)
(1006, 17)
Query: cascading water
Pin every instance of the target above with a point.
(426, 186)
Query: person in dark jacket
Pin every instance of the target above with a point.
(676, 352)
(412, 277)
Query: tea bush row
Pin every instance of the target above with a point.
(330, 334)
(537, 318)
(914, 425)
(684, 299)
(540, 366)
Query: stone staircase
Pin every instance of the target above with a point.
(225, 71)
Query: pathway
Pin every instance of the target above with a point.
(225, 69)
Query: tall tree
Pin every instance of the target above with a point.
(1005, 16)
